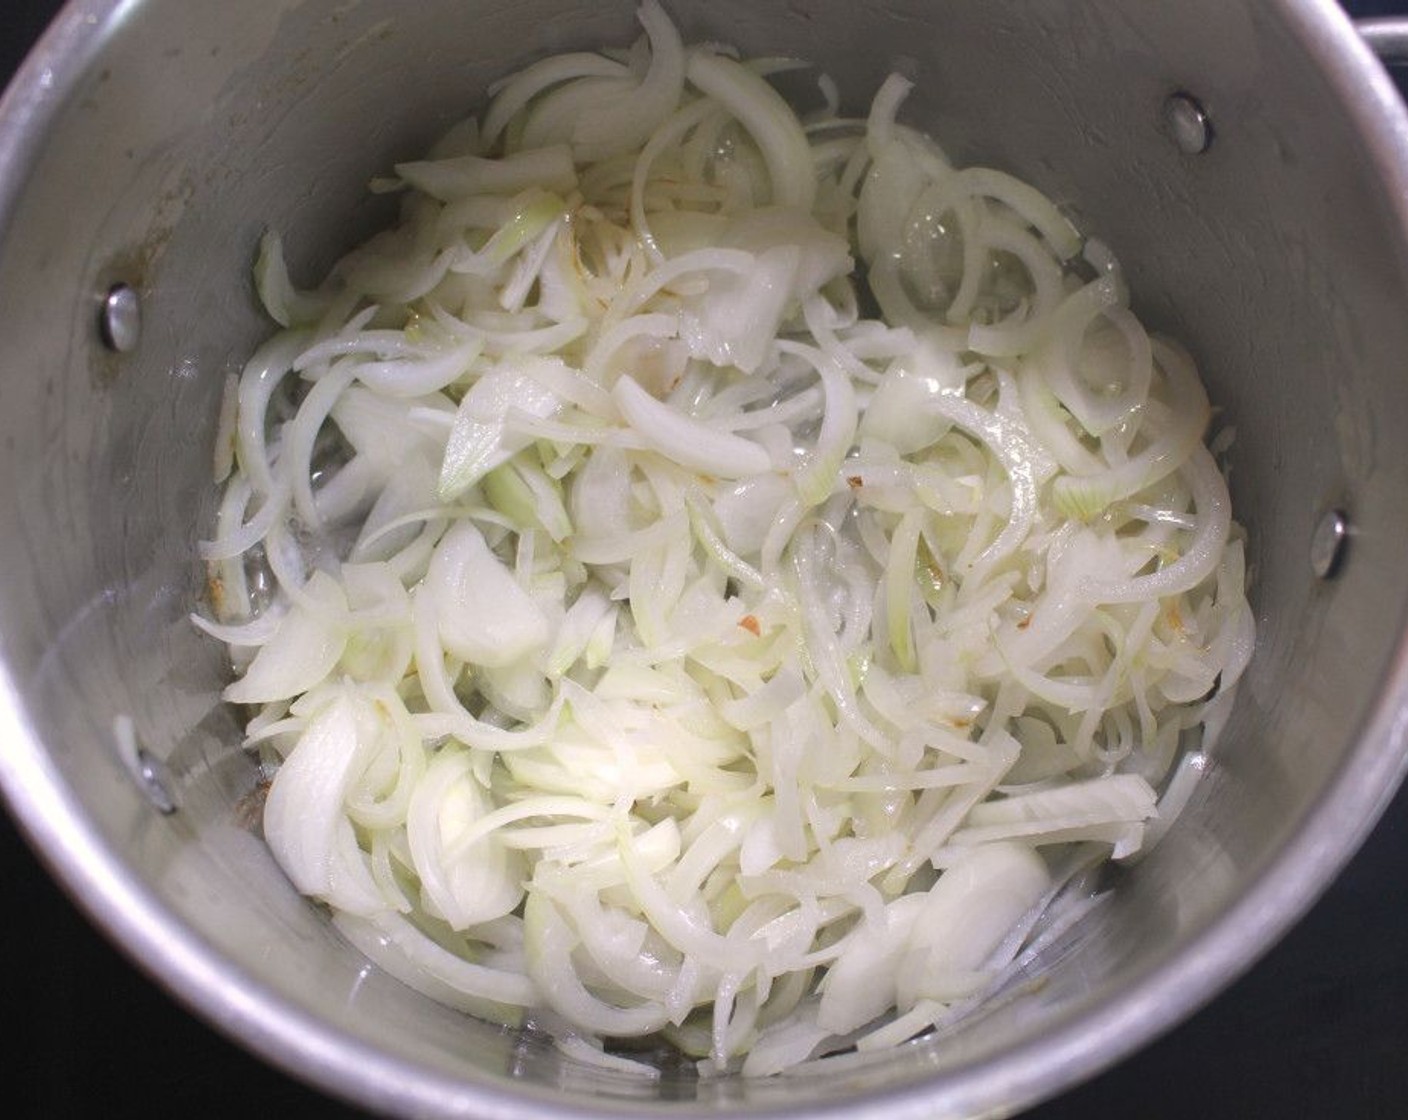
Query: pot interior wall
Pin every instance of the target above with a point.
(1276, 256)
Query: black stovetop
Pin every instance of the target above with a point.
(1319, 1028)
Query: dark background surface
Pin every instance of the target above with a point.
(1318, 1029)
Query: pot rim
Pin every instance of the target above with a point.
(1088, 1041)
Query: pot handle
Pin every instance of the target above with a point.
(1387, 37)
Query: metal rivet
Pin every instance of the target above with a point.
(1187, 123)
(147, 769)
(1328, 543)
(152, 773)
(121, 321)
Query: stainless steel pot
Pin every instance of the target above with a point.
(147, 143)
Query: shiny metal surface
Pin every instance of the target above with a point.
(120, 321)
(1387, 36)
(1328, 543)
(1187, 123)
(153, 140)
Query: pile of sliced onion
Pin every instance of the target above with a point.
(712, 572)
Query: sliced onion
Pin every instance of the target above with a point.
(659, 642)
(694, 445)
(484, 615)
(767, 118)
